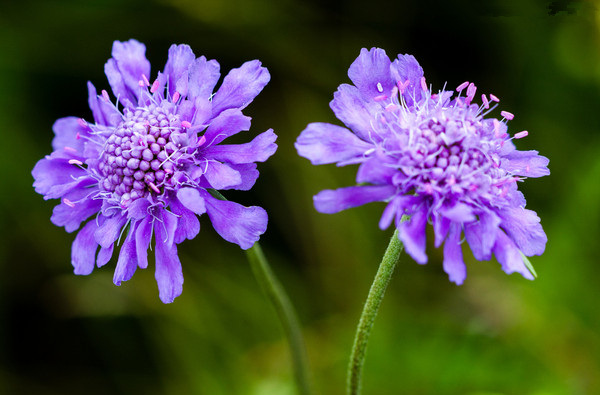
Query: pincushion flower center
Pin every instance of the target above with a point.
(140, 157)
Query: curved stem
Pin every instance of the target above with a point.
(275, 293)
(367, 318)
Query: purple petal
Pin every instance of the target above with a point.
(109, 230)
(453, 258)
(68, 133)
(204, 75)
(190, 198)
(104, 255)
(226, 124)
(404, 68)
(127, 262)
(376, 170)
(56, 176)
(236, 223)
(143, 234)
(356, 113)
(130, 59)
(323, 143)
(73, 214)
(188, 225)
(258, 150)
(179, 61)
(509, 257)
(441, 225)
(526, 163)
(481, 235)
(115, 80)
(221, 176)
(167, 223)
(332, 201)
(458, 212)
(104, 113)
(524, 228)
(169, 276)
(248, 173)
(138, 209)
(370, 72)
(83, 252)
(240, 86)
(412, 234)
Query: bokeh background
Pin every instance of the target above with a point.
(496, 334)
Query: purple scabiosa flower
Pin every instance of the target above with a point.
(437, 158)
(145, 167)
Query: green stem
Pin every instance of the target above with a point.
(367, 318)
(287, 316)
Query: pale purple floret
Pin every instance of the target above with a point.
(145, 169)
(436, 158)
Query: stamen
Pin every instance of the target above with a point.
(391, 107)
(496, 127)
(507, 115)
(522, 134)
(153, 187)
(105, 96)
(485, 101)
(70, 149)
(141, 83)
(82, 122)
(462, 86)
(77, 136)
(202, 140)
(380, 97)
(423, 84)
(403, 85)
(145, 79)
(75, 162)
(154, 86)
(68, 202)
(494, 98)
(175, 97)
(186, 124)
(379, 87)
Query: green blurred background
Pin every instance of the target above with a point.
(496, 334)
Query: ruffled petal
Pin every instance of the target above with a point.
(240, 86)
(109, 229)
(220, 175)
(524, 228)
(179, 60)
(526, 163)
(115, 80)
(68, 132)
(56, 176)
(131, 62)
(509, 257)
(188, 225)
(376, 170)
(83, 251)
(236, 223)
(481, 235)
(323, 143)
(453, 258)
(356, 113)
(258, 150)
(412, 234)
(332, 201)
(370, 73)
(127, 262)
(248, 174)
(226, 124)
(71, 215)
(138, 209)
(104, 113)
(169, 276)
(203, 77)
(190, 198)
(143, 234)
(406, 68)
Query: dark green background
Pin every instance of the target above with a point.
(496, 334)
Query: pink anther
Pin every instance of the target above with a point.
(522, 134)
(145, 79)
(77, 136)
(154, 86)
(175, 97)
(403, 85)
(391, 107)
(494, 98)
(68, 202)
(105, 96)
(462, 86)
(380, 97)
(82, 122)
(186, 124)
(201, 141)
(485, 101)
(153, 187)
(75, 162)
(423, 84)
(507, 115)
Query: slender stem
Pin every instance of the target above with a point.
(287, 316)
(367, 318)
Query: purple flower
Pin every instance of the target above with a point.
(433, 157)
(147, 167)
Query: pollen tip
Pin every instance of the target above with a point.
(379, 87)
(522, 134)
(154, 86)
(176, 96)
(68, 202)
(75, 162)
(380, 97)
(105, 96)
(494, 98)
(507, 115)
(186, 124)
(423, 84)
(462, 86)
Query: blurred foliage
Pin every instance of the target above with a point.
(497, 334)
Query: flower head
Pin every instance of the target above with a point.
(435, 157)
(146, 164)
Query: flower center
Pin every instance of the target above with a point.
(140, 157)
